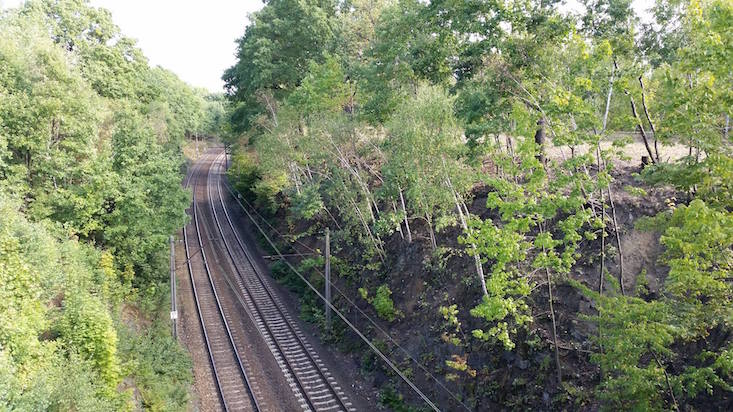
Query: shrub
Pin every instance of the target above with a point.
(307, 203)
(244, 173)
(87, 325)
(641, 337)
(383, 304)
(266, 191)
(160, 367)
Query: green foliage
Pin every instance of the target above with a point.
(104, 166)
(424, 147)
(383, 304)
(285, 276)
(641, 337)
(244, 173)
(160, 367)
(395, 401)
(307, 204)
(388, 223)
(450, 314)
(322, 91)
(452, 324)
(698, 241)
(377, 101)
(90, 172)
(87, 325)
(693, 101)
(38, 272)
(274, 54)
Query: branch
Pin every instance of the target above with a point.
(666, 378)
(648, 118)
(640, 126)
(608, 97)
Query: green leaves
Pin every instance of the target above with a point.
(504, 308)
(639, 337)
(384, 305)
(307, 204)
(87, 326)
(277, 48)
(322, 91)
(698, 243)
(90, 141)
(427, 100)
(54, 319)
(423, 153)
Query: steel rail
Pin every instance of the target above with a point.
(220, 312)
(269, 296)
(366, 340)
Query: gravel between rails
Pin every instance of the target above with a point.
(272, 389)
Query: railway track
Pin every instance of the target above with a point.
(310, 381)
(232, 383)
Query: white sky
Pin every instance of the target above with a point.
(195, 38)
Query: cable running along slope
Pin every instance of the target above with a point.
(366, 340)
(310, 380)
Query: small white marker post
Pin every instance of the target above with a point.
(328, 279)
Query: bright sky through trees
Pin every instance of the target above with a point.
(194, 39)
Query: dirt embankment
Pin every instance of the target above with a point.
(423, 280)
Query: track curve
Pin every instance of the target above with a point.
(309, 379)
(232, 383)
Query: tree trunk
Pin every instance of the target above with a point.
(476, 255)
(429, 219)
(399, 228)
(539, 138)
(407, 222)
(296, 179)
(666, 378)
(464, 224)
(510, 146)
(608, 97)
(603, 220)
(380, 252)
(648, 118)
(618, 242)
(558, 366)
(640, 127)
(603, 254)
(333, 219)
(610, 193)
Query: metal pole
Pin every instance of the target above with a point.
(174, 310)
(328, 279)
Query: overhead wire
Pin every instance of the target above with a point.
(237, 197)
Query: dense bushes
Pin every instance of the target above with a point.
(87, 326)
(640, 335)
(63, 345)
(40, 341)
(383, 303)
(383, 131)
(90, 172)
(250, 182)
(160, 367)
